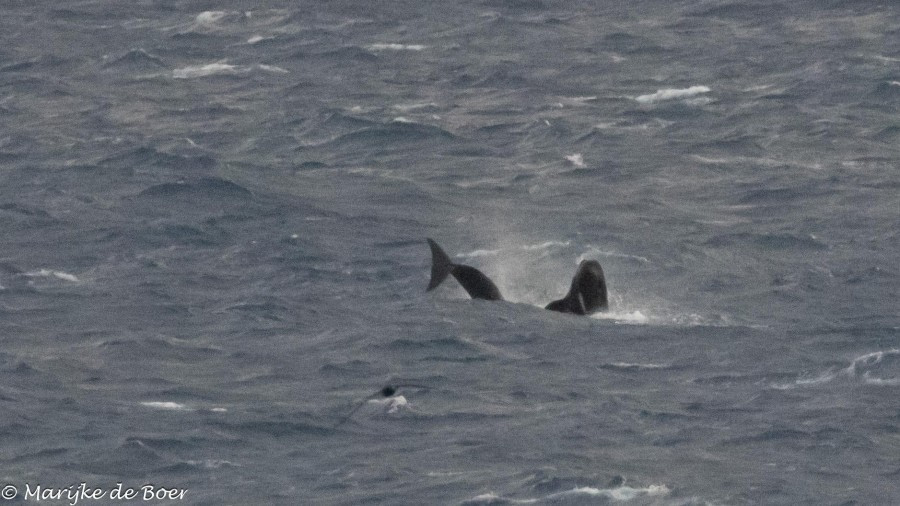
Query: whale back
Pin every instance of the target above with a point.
(476, 283)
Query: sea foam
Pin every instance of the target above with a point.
(672, 94)
(165, 405)
(210, 69)
(621, 493)
(396, 47)
(49, 273)
(879, 368)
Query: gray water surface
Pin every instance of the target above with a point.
(214, 219)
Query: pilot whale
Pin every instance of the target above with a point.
(587, 293)
(474, 281)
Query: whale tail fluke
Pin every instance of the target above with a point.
(441, 266)
(476, 284)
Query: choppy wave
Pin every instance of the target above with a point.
(576, 159)
(396, 47)
(222, 69)
(635, 317)
(877, 368)
(479, 253)
(628, 126)
(390, 405)
(209, 69)
(542, 246)
(210, 18)
(166, 405)
(593, 252)
(258, 38)
(392, 135)
(621, 493)
(627, 312)
(209, 204)
(545, 245)
(135, 60)
(210, 187)
(672, 94)
(880, 368)
(627, 366)
(50, 273)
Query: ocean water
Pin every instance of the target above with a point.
(213, 259)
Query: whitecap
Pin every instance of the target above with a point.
(625, 126)
(416, 106)
(632, 318)
(208, 18)
(869, 359)
(441, 474)
(257, 38)
(491, 498)
(575, 101)
(672, 94)
(869, 380)
(273, 69)
(396, 47)
(211, 463)
(166, 405)
(863, 366)
(625, 313)
(525, 247)
(807, 381)
(210, 69)
(391, 404)
(698, 101)
(816, 380)
(491, 182)
(628, 366)
(581, 100)
(213, 69)
(545, 245)
(49, 273)
(593, 251)
(479, 253)
(620, 493)
(577, 159)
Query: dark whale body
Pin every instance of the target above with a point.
(587, 294)
(474, 281)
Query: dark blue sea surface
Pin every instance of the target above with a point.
(213, 258)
